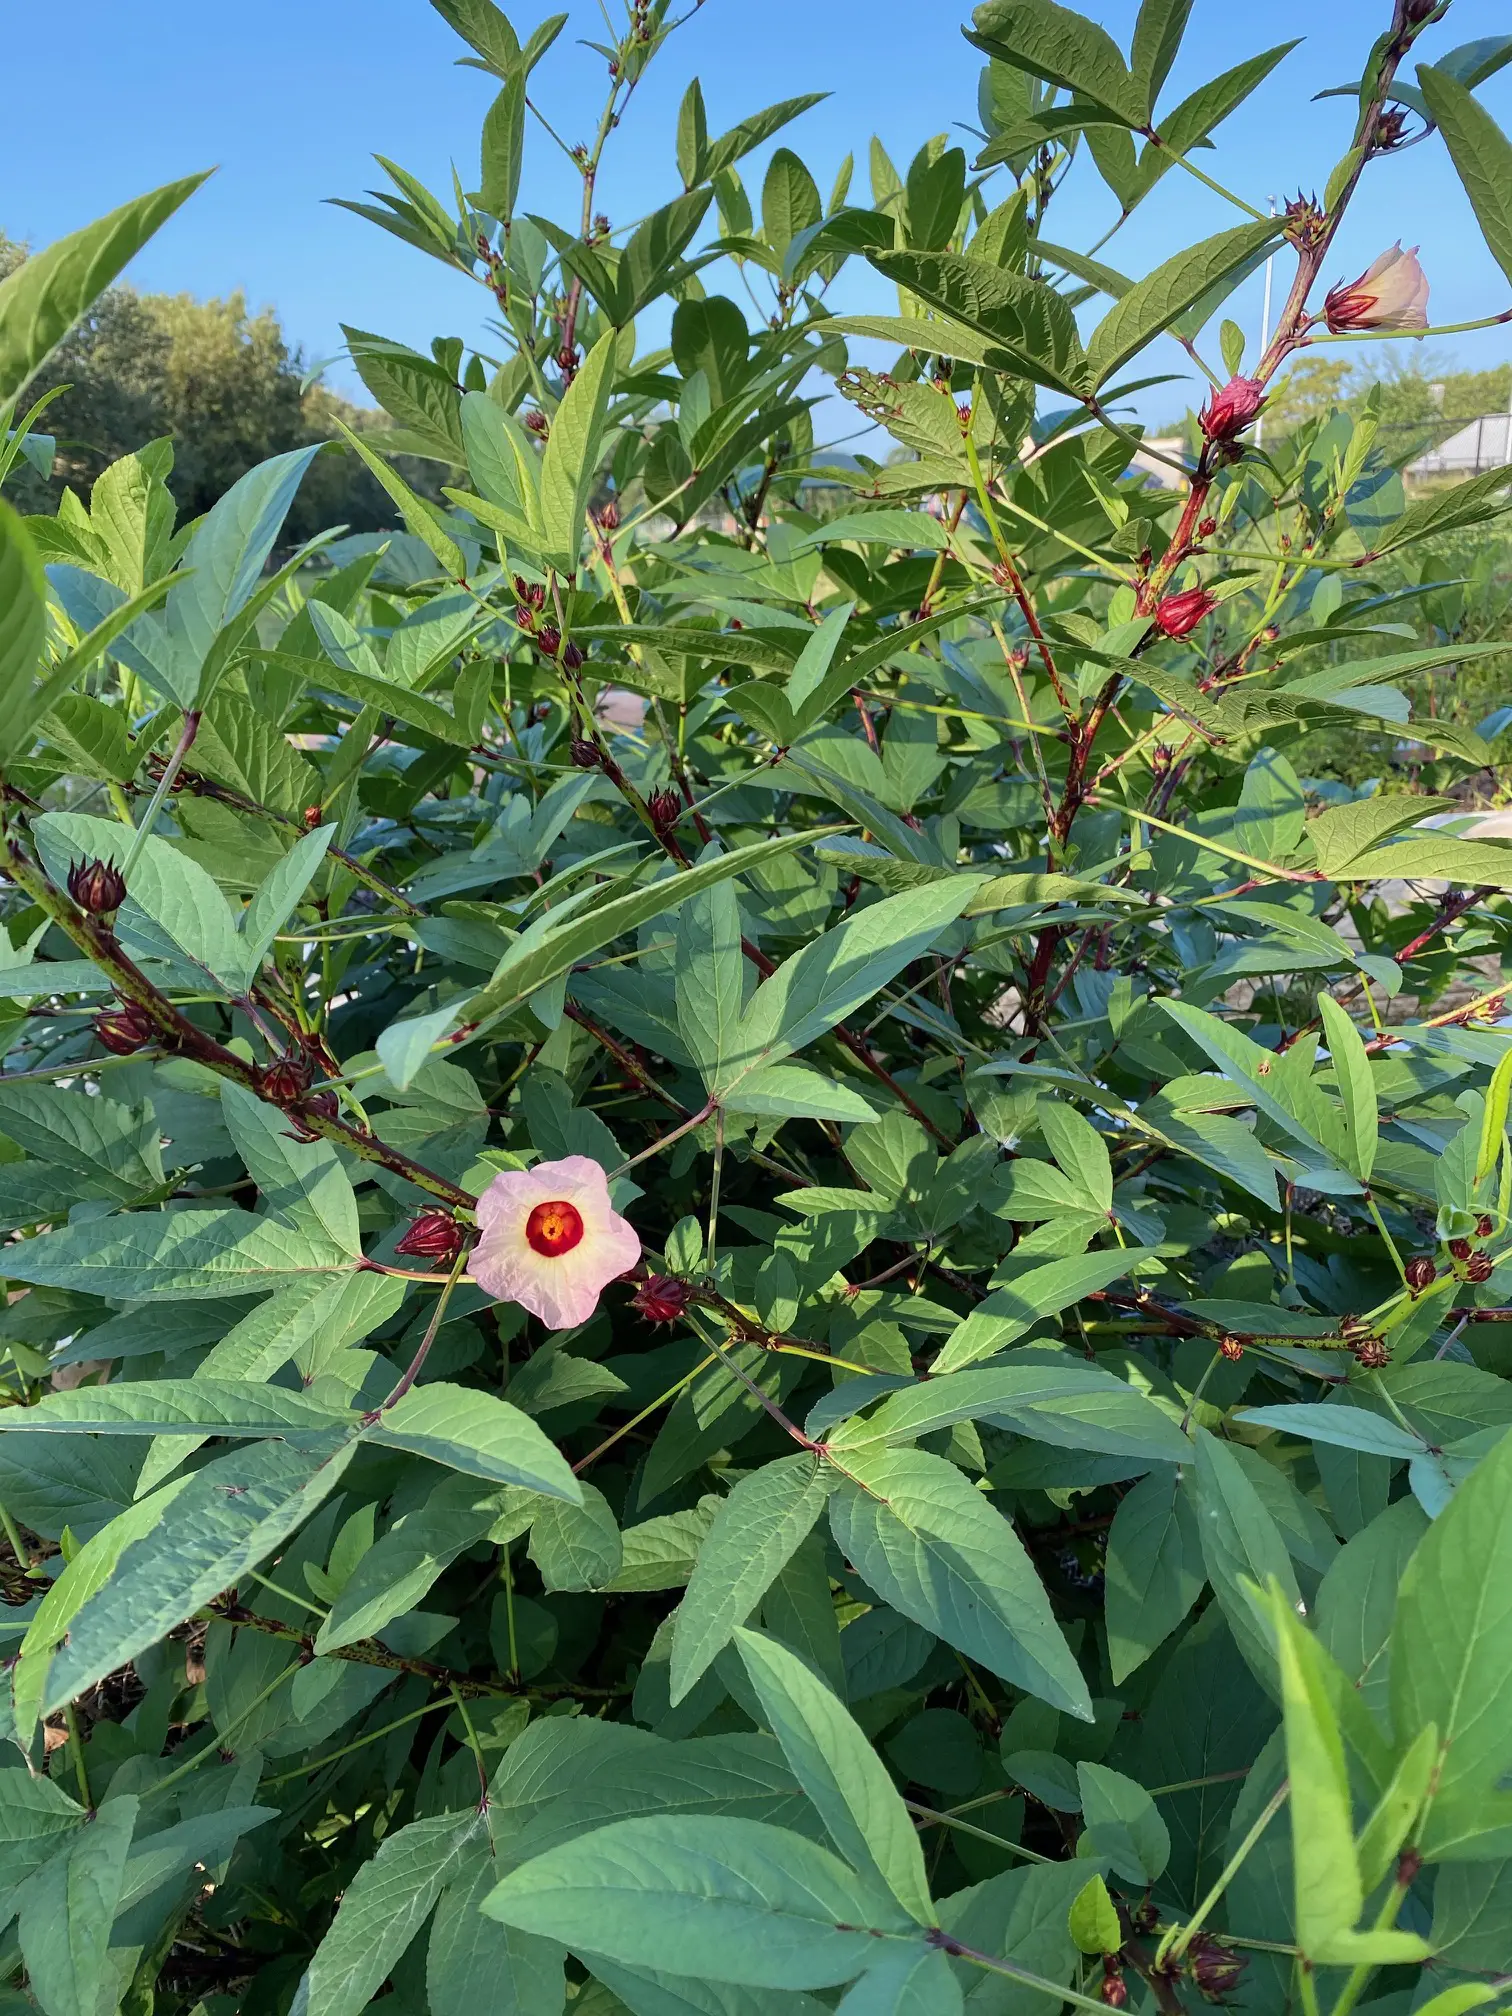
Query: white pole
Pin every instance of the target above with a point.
(1265, 315)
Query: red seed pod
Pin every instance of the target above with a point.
(1479, 1267)
(548, 640)
(661, 1299)
(435, 1235)
(284, 1080)
(1459, 1249)
(1113, 1990)
(1372, 1353)
(124, 1030)
(585, 754)
(1178, 615)
(1420, 1272)
(1231, 408)
(1485, 1225)
(96, 886)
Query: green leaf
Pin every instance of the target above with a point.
(110, 1149)
(23, 612)
(840, 1771)
(422, 519)
(539, 958)
(1060, 47)
(67, 1910)
(1072, 1406)
(1157, 37)
(1041, 1290)
(192, 1254)
(1451, 1656)
(235, 1408)
(569, 467)
(1093, 1921)
(279, 894)
(503, 150)
(1153, 1573)
(42, 299)
(1494, 1118)
(382, 1909)
(215, 1525)
(1153, 303)
(838, 971)
(474, 1963)
(932, 1547)
(754, 1535)
(1122, 1824)
(478, 1434)
(397, 1570)
(1351, 1064)
(302, 1183)
(1329, 1895)
(577, 1546)
(718, 1899)
(1472, 502)
(750, 132)
(1242, 1547)
(709, 977)
(1481, 153)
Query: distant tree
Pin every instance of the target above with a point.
(223, 382)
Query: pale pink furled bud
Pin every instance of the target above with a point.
(1392, 293)
(1230, 409)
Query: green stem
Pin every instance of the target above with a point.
(222, 1737)
(76, 1744)
(1393, 335)
(360, 1743)
(13, 1534)
(165, 784)
(1175, 1942)
(931, 1818)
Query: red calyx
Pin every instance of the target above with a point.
(1231, 408)
(1459, 1249)
(548, 640)
(284, 1080)
(96, 886)
(435, 1235)
(124, 1030)
(661, 1299)
(1420, 1273)
(585, 754)
(1177, 615)
(665, 808)
(1479, 1267)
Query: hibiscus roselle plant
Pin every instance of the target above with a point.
(751, 1270)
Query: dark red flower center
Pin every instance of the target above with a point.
(554, 1228)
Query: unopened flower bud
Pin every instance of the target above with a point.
(537, 423)
(324, 1104)
(1160, 758)
(585, 754)
(1485, 1225)
(1479, 1267)
(525, 616)
(608, 516)
(548, 640)
(661, 1299)
(1372, 1353)
(1178, 615)
(1391, 130)
(665, 808)
(1113, 1990)
(1392, 293)
(1459, 1249)
(96, 886)
(1232, 1348)
(1420, 1273)
(284, 1080)
(1231, 408)
(1207, 528)
(124, 1030)
(435, 1235)
(572, 657)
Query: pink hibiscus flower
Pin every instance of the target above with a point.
(550, 1240)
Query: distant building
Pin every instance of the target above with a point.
(1172, 447)
(1479, 444)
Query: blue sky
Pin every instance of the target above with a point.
(291, 97)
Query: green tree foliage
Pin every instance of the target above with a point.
(219, 381)
(749, 1270)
